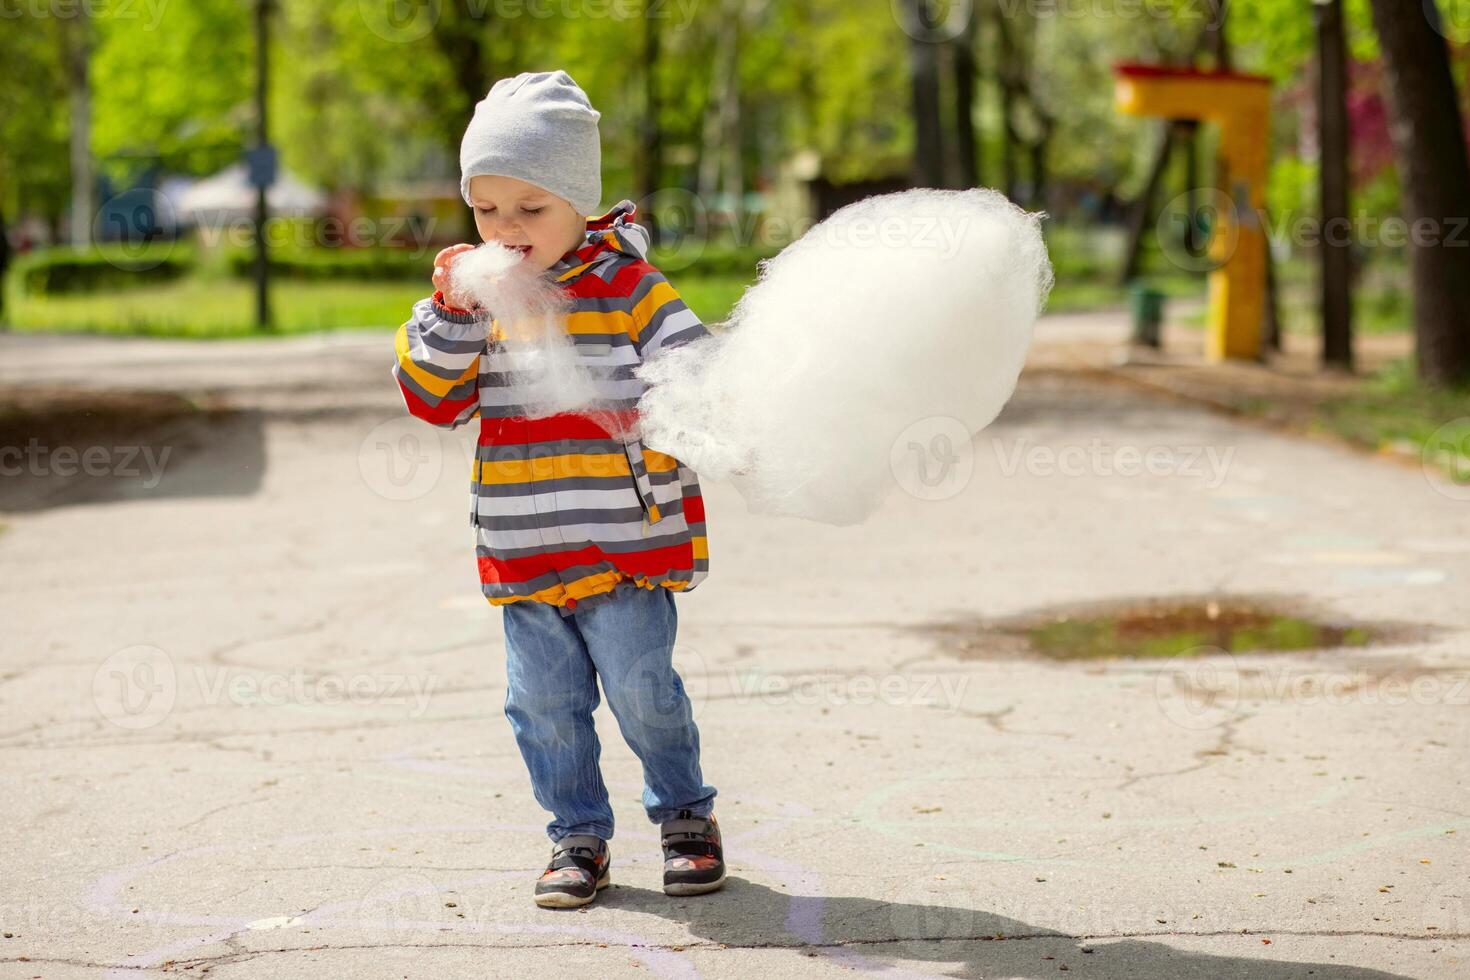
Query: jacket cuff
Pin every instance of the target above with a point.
(453, 313)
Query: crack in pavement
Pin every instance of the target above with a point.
(995, 719)
(242, 954)
(1208, 756)
(219, 809)
(207, 738)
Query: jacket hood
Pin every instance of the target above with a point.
(612, 232)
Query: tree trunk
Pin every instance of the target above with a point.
(1004, 76)
(459, 36)
(963, 47)
(1434, 172)
(720, 162)
(650, 150)
(263, 320)
(707, 179)
(1038, 168)
(1214, 36)
(1335, 243)
(732, 138)
(78, 41)
(4, 262)
(1188, 135)
(928, 165)
(808, 71)
(1271, 314)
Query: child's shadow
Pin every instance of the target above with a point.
(867, 933)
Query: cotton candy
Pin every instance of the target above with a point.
(895, 310)
(529, 311)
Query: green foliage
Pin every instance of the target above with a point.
(716, 260)
(1278, 37)
(194, 307)
(1077, 47)
(1397, 410)
(337, 264)
(359, 103)
(1291, 188)
(58, 271)
(711, 297)
(33, 122)
(191, 307)
(174, 88)
(1086, 260)
(862, 126)
(1380, 196)
(355, 109)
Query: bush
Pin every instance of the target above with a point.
(57, 271)
(338, 263)
(710, 260)
(382, 264)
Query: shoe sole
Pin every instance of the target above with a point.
(694, 887)
(563, 900)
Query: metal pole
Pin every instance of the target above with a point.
(1335, 239)
(262, 140)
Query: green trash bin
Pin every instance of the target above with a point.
(1147, 305)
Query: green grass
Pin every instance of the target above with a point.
(210, 304)
(1381, 298)
(1071, 296)
(225, 308)
(711, 297)
(1381, 302)
(1184, 632)
(1395, 409)
(1086, 261)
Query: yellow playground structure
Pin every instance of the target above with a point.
(1240, 105)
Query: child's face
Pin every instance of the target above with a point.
(521, 215)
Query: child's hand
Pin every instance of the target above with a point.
(442, 262)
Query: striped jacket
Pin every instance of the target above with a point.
(563, 510)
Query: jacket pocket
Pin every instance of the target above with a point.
(641, 482)
(475, 489)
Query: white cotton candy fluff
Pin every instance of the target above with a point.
(529, 309)
(898, 309)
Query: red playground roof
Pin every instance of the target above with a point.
(1171, 71)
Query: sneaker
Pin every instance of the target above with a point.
(580, 866)
(694, 858)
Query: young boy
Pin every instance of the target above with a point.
(582, 536)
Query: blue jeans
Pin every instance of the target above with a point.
(553, 660)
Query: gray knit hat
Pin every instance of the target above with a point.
(538, 127)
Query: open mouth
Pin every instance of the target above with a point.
(523, 249)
